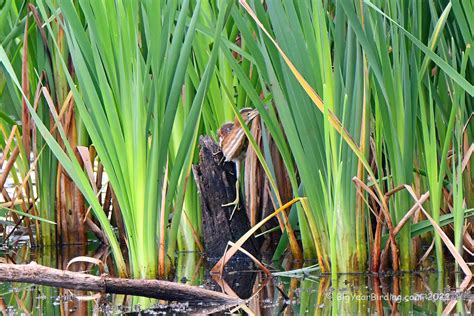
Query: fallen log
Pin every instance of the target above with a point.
(164, 290)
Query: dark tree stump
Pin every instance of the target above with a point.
(216, 184)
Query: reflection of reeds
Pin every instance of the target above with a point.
(366, 294)
(365, 116)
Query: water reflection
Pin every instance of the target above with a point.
(301, 294)
(424, 293)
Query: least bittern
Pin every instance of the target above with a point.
(233, 142)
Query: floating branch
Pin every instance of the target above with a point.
(164, 290)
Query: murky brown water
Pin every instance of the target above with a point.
(302, 294)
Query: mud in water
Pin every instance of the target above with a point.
(303, 293)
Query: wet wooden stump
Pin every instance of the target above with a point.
(216, 180)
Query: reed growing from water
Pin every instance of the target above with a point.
(362, 60)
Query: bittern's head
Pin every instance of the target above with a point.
(248, 114)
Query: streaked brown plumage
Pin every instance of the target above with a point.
(232, 141)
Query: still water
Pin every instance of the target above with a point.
(303, 293)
